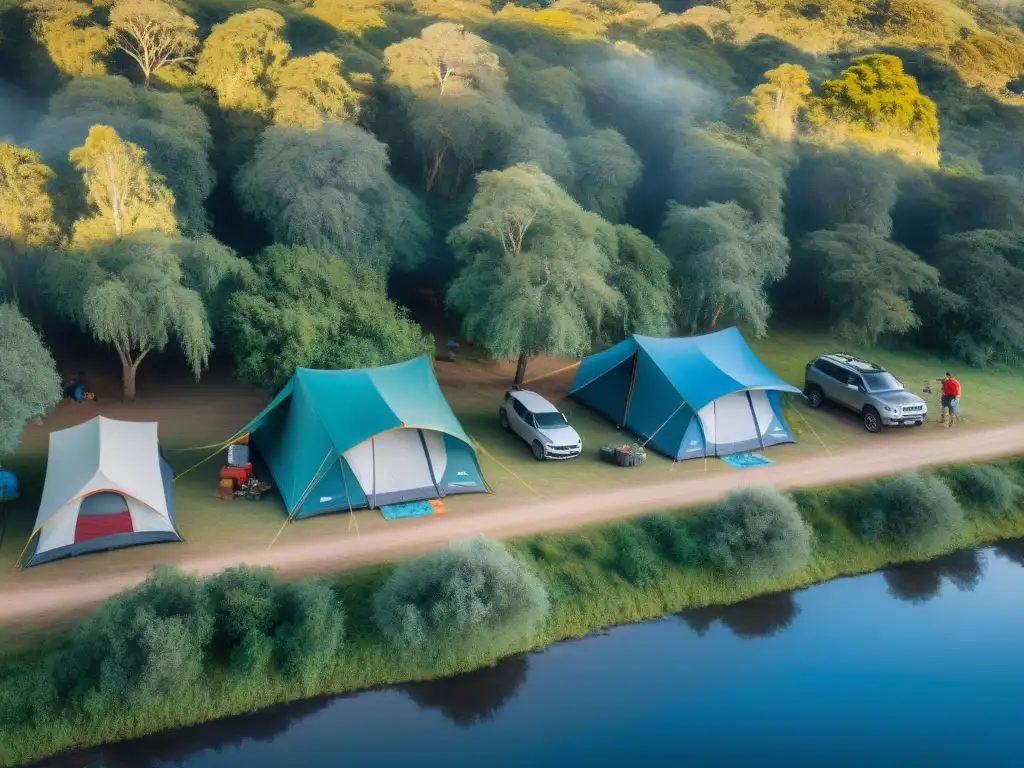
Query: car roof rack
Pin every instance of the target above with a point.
(855, 362)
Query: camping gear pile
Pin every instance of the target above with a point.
(252, 489)
(236, 477)
(628, 455)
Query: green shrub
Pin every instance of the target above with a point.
(984, 487)
(755, 533)
(470, 596)
(911, 510)
(146, 641)
(244, 604)
(634, 556)
(674, 538)
(311, 629)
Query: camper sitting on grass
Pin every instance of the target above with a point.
(77, 389)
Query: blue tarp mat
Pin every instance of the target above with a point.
(411, 509)
(744, 460)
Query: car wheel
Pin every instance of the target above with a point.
(872, 420)
(538, 450)
(918, 423)
(815, 397)
(503, 418)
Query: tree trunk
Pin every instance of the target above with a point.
(520, 369)
(128, 371)
(714, 317)
(432, 176)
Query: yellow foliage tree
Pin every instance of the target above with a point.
(124, 192)
(76, 45)
(776, 104)
(876, 104)
(311, 91)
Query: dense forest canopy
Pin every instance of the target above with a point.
(176, 172)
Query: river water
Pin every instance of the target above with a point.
(913, 666)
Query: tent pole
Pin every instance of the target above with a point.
(753, 415)
(632, 383)
(373, 457)
(430, 464)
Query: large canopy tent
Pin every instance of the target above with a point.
(369, 437)
(107, 486)
(687, 397)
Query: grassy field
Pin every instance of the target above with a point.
(587, 592)
(196, 414)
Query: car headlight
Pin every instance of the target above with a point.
(886, 407)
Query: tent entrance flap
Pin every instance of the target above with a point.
(400, 465)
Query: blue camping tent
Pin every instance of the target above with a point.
(369, 437)
(689, 397)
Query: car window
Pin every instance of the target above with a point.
(550, 420)
(530, 421)
(882, 381)
(829, 369)
(855, 380)
(519, 408)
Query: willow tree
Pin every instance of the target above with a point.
(153, 33)
(311, 91)
(724, 260)
(74, 41)
(451, 86)
(533, 268)
(173, 132)
(868, 281)
(876, 104)
(26, 212)
(28, 377)
(242, 59)
(775, 105)
(137, 293)
(125, 194)
(643, 275)
(330, 189)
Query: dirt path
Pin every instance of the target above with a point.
(55, 601)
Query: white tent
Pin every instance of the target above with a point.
(107, 486)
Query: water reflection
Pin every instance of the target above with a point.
(474, 697)
(920, 582)
(761, 616)
(1012, 550)
(169, 748)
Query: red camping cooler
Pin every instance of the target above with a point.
(238, 474)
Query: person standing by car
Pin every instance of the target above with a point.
(950, 398)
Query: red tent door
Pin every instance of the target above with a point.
(102, 514)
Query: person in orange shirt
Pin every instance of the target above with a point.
(950, 399)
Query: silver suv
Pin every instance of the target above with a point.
(870, 390)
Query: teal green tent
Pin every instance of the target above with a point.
(338, 440)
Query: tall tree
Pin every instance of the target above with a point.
(330, 189)
(643, 275)
(311, 91)
(984, 268)
(715, 164)
(26, 212)
(153, 33)
(605, 168)
(28, 377)
(876, 104)
(134, 293)
(776, 104)
(868, 281)
(534, 268)
(829, 188)
(125, 194)
(723, 259)
(242, 59)
(307, 308)
(75, 42)
(450, 85)
(173, 132)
